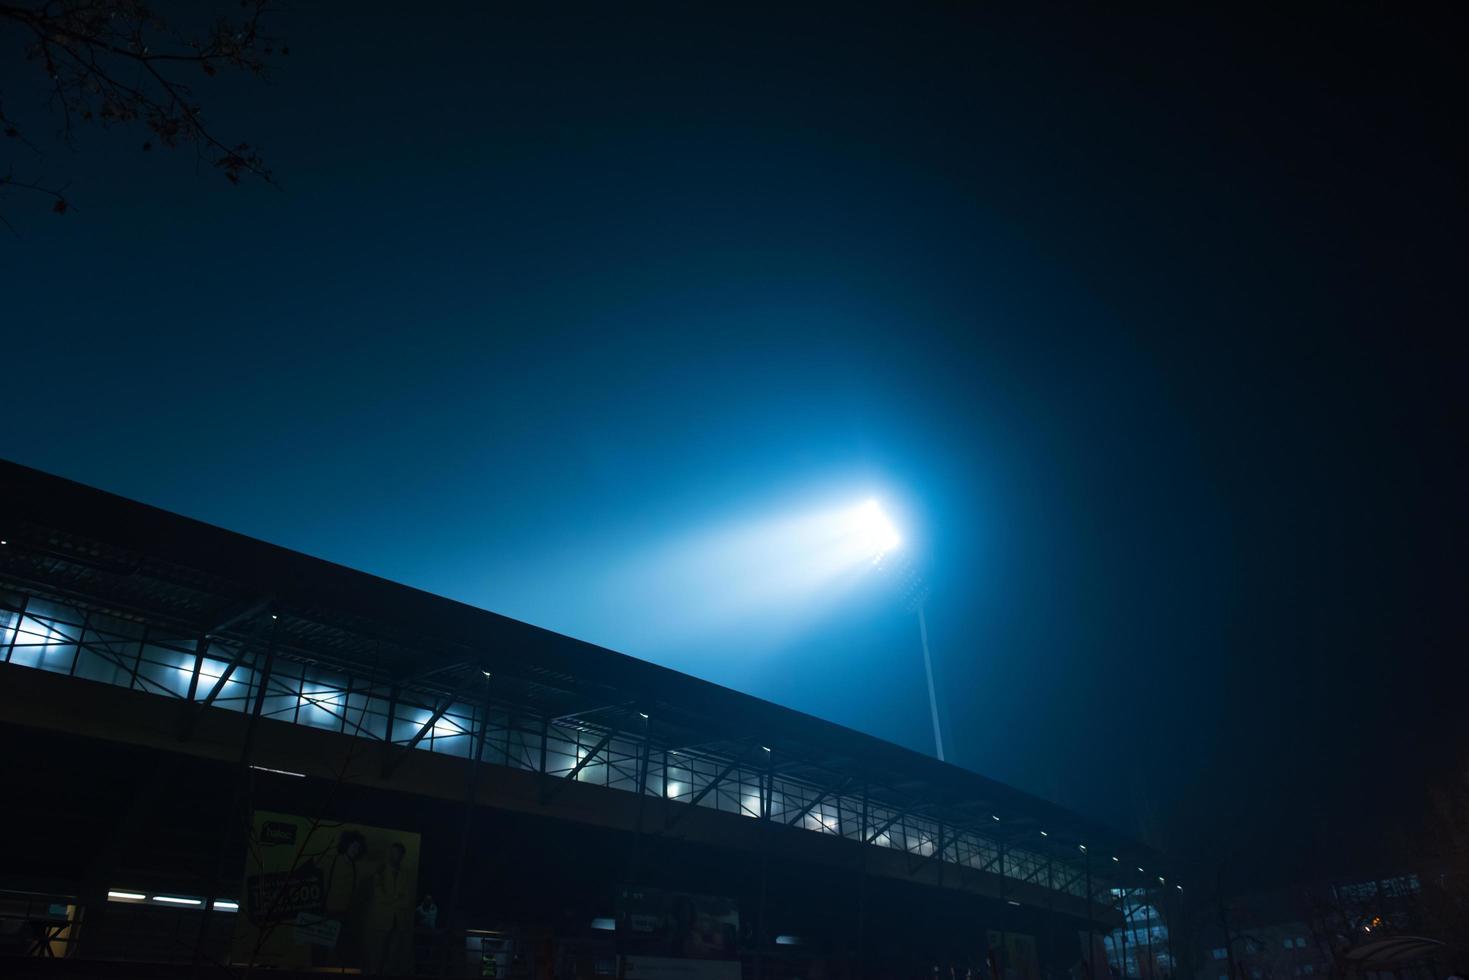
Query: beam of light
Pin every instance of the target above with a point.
(765, 578)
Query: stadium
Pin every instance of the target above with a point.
(222, 754)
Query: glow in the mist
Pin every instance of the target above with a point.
(762, 578)
(872, 527)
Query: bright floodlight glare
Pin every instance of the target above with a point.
(876, 531)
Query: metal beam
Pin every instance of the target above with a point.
(712, 785)
(227, 617)
(887, 826)
(423, 676)
(821, 798)
(197, 712)
(590, 711)
(580, 765)
(201, 647)
(392, 762)
(237, 613)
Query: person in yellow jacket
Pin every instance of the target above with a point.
(389, 933)
(346, 897)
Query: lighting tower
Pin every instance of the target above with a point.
(883, 539)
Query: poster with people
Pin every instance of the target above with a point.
(328, 894)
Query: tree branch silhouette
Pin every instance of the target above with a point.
(120, 62)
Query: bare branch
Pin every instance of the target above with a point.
(117, 62)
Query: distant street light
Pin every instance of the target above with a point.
(881, 537)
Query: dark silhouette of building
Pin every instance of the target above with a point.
(163, 680)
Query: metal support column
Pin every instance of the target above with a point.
(933, 703)
(541, 766)
(20, 616)
(1234, 972)
(201, 648)
(1091, 924)
(1004, 913)
(861, 970)
(761, 931)
(1126, 928)
(471, 784)
(238, 816)
(635, 871)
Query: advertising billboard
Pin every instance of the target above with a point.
(327, 894)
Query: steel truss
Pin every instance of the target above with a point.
(183, 637)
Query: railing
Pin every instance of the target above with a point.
(46, 635)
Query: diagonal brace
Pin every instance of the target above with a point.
(713, 784)
(392, 762)
(582, 764)
(821, 798)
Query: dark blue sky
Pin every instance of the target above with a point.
(1145, 325)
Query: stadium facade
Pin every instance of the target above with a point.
(221, 752)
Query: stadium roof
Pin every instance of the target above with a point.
(97, 550)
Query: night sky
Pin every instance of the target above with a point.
(1145, 327)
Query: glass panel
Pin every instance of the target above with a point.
(93, 667)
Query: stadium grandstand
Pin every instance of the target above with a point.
(221, 755)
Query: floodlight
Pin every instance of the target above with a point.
(876, 532)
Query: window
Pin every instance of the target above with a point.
(1289, 942)
(1221, 953)
(1300, 942)
(1309, 968)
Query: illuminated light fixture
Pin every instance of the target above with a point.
(117, 895)
(673, 790)
(789, 941)
(1044, 834)
(1114, 857)
(274, 616)
(1011, 901)
(225, 905)
(643, 715)
(279, 772)
(1083, 848)
(765, 747)
(877, 534)
(1141, 871)
(176, 900)
(485, 672)
(1161, 881)
(605, 924)
(994, 818)
(1179, 887)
